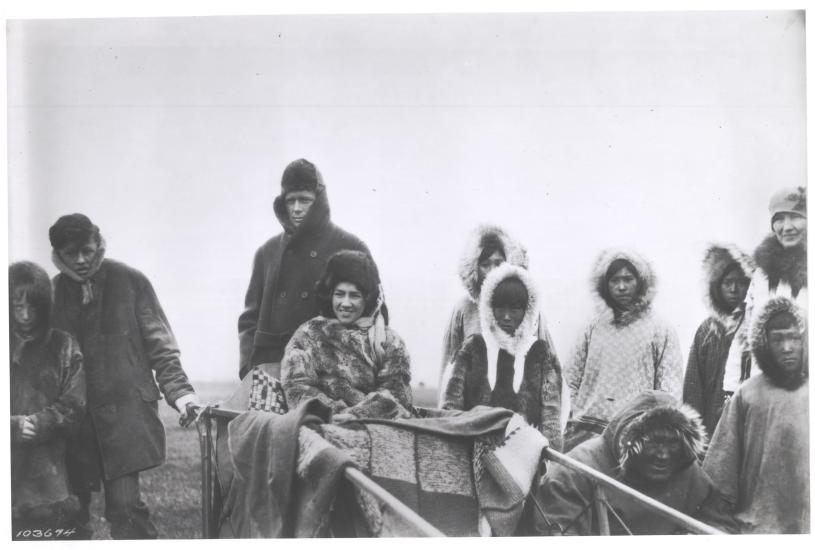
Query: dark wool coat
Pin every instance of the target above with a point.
(286, 269)
(704, 374)
(466, 383)
(567, 496)
(334, 363)
(47, 383)
(125, 338)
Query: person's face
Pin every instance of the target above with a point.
(298, 203)
(488, 264)
(347, 303)
(508, 318)
(733, 288)
(622, 286)
(79, 258)
(786, 349)
(660, 458)
(789, 228)
(25, 316)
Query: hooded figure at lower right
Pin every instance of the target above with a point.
(759, 455)
(653, 445)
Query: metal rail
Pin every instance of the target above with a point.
(606, 482)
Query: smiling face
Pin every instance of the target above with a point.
(660, 458)
(622, 287)
(348, 303)
(790, 228)
(79, 257)
(298, 204)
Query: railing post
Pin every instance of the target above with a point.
(206, 476)
(601, 511)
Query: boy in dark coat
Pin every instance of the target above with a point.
(47, 401)
(112, 310)
(727, 276)
(286, 268)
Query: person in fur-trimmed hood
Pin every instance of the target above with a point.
(624, 350)
(652, 444)
(508, 365)
(781, 270)
(488, 246)
(348, 357)
(727, 272)
(759, 454)
(281, 296)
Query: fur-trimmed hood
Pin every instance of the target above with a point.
(527, 331)
(650, 410)
(468, 263)
(719, 257)
(783, 264)
(645, 291)
(758, 342)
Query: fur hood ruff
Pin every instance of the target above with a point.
(647, 282)
(654, 409)
(718, 257)
(758, 342)
(782, 264)
(468, 263)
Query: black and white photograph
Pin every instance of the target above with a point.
(477, 273)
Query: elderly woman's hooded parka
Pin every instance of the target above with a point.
(711, 344)
(471, 378)
(622, 353)
(47, 384)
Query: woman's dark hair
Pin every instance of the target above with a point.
(489, 245)
(30, 280)
(510, 292)
(74, 229)
(348, 266)
(612, 270)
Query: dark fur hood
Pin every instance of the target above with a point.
(645, 292)
(654, 409)
(468, 263)
(718, 257)
(783, 264)
(318, 216)
(758, 342)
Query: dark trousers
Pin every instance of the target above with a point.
(125, 511)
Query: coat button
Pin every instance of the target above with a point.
(304, 295)
(313, 254)
(283, 294)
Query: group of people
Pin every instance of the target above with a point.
(84, 367)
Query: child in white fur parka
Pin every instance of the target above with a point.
(508, 365)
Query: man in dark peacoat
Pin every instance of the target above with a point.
(287, 267)
(112, 310)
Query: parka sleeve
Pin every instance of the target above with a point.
(694, 383)
(67, 410)
(577, 365)
(299, 373)
(551, 388)
(248, 320)
(566, 498)
(452, 340)
(451, 396)
(724, 455)
(160, 345)
(392, 397)
(668, 363)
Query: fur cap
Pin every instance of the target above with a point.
(718, 258)
(72, 229)
(760, 349)
(468, 263)
(527, 331)
(349, 266)
(301, 175)
(34, 281)
(646, 289)
(782, 264)
(650, 411)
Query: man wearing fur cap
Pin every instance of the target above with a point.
(759, 454)
(781, 270)
(126, 340)
(652, 445)
(727, 276)
(280, 296)
(508, 365)
(624, 350)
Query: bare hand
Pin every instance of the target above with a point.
(29, 429)
(189, 415)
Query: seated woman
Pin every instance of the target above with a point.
(348, 357)
(508, 365)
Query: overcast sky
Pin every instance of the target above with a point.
(658, 131)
